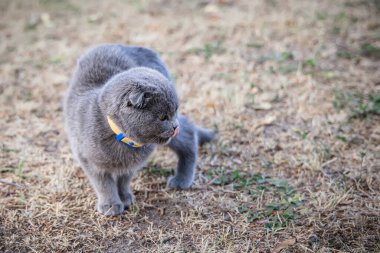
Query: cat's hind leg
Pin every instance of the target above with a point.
(185, 145)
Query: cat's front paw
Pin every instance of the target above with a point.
(110, 209)
(128, 198)
(179, 183)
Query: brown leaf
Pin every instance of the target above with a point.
(211, 105)
(262, 123)
(283, 245)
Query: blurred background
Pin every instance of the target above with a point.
(291, 86)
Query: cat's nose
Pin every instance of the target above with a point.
(175, 124)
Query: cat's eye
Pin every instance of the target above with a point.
(164, 117)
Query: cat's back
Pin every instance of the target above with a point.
(98, 65)
(101, 63)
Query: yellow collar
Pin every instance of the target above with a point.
(120, 136)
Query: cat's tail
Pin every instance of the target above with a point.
(204, 135)
(189, 129)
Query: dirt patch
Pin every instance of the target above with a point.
(292, 87)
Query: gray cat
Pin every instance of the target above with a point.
(120, 104)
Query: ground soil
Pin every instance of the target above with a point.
(292, 87)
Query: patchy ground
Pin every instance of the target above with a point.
(292, 87)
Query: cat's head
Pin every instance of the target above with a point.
(143, 103)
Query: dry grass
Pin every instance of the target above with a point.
(292, 87)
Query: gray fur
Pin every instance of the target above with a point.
(132, 86)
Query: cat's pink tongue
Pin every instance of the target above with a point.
(176, 132)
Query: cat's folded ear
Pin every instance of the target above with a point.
(140, 98)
